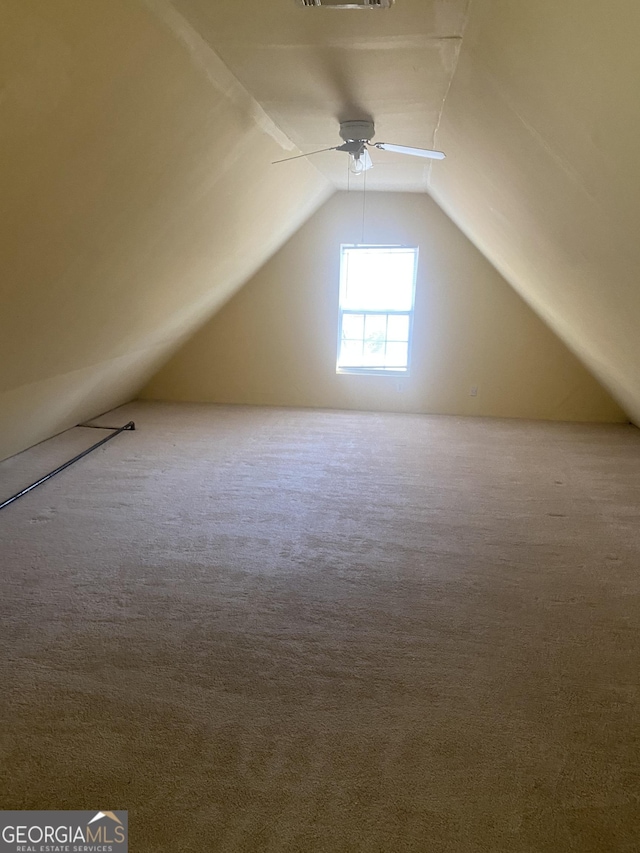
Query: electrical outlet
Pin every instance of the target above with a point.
(474, 391)
(400, 385)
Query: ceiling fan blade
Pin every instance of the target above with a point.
(415, 152)
(310, 154)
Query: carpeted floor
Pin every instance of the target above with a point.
(281, 630)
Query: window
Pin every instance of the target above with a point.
(377, 286)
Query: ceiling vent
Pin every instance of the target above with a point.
(354, 4)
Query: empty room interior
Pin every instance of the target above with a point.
(343, 301)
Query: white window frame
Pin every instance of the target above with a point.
(367, 370)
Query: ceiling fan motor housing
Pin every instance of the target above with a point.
(357, 131)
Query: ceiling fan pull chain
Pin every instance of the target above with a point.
(364, 196)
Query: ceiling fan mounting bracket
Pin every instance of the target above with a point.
(357, 131)
(356, 147)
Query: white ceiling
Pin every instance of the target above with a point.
(309, 68)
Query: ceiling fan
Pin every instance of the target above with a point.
(357, 136)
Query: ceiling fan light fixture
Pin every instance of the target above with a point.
(360, 162)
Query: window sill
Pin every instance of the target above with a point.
(367, 371)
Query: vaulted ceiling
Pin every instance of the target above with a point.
(541, 127)
(136, 191)
(136, 195)
(312, 67)
(536, 107)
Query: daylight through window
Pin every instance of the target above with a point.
(377, 285)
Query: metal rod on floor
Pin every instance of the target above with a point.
(130, 426)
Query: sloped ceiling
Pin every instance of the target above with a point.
(136, 194)
(542, 129)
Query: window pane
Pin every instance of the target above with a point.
(396, 355)
(353, 326)
(373, 354)
(398, 328)
(350, 354)
(378, 279)
(376, 303)
(375, 327)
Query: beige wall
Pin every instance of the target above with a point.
(136, 195)
(275, 341)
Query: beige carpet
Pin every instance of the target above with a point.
(279, 630)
